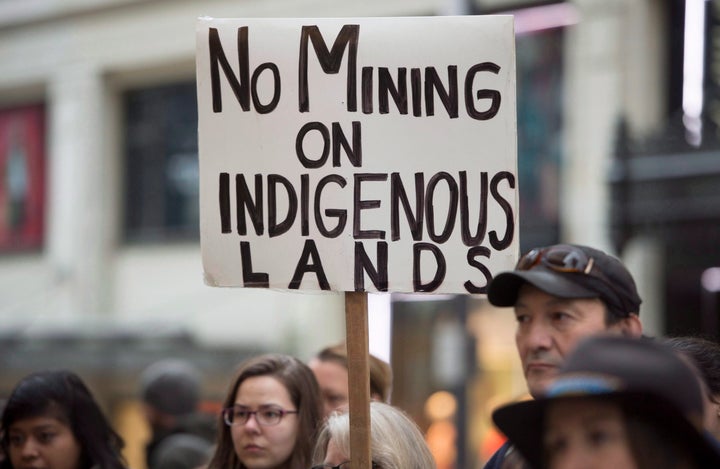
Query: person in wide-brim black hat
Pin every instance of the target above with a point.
(618, 403)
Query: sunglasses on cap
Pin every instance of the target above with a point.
(565, 258)
(558, 258)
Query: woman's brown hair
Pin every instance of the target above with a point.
(303, 389)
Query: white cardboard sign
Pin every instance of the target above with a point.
(357, 154)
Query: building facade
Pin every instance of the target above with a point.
(98, 197)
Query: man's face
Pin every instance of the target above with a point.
(332, 378)
(548, 329)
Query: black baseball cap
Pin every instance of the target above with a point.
(570, 271)
(645, 377)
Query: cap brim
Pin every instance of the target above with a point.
(503, 289)
(523, 424)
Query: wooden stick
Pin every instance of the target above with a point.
(356, 331)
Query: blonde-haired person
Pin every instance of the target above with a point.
(395, 441)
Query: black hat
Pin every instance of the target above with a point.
(646, 377)
(171, 386)
(570, 271)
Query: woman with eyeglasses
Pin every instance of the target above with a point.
(270, 416)
(395, 441)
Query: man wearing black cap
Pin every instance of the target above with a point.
(562, 294)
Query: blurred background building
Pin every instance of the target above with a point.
(618, 113)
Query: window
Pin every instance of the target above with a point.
(540, 132)
(22, 178)
(161, 164)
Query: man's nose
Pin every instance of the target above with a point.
(328, 407)
(538, 336)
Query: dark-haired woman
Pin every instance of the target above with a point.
(51, 421)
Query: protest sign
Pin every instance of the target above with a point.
(357, 154)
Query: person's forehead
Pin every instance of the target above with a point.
(264, 389)
(329, 370)
(335, 453)
(37, 422)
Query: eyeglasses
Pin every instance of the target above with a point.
(558, 258)
(266, 415)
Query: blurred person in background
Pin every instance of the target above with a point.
(51, 421)
(330, 366)
(562, 294)
(617, 403)
(395, 441)
(270, 416)
(705, 355)
(183, 451)
(170, 390)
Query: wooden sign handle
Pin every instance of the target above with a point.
(356, 331)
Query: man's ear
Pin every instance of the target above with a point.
(631, 326)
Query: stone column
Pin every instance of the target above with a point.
(79, 241)
(644, 257)
(593, 99)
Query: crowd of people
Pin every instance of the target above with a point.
(603, 395)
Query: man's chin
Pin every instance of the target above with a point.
(538, 383)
